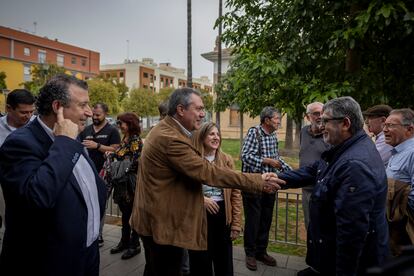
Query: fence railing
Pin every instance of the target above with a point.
(287, 226)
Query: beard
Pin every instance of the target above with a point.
(97, 122)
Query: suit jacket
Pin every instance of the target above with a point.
(168, 203)
(46, 214)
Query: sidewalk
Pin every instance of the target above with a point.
(113, 265)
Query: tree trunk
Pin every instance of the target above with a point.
(289, 133)
(353, 56)
(298, 127)
(241, 131)
(189, 54)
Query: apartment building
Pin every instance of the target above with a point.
(19, 51)
(149, 75)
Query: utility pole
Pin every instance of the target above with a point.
(219, 60)
(127, 56)
(189, 53)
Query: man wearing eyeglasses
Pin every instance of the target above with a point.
(375, 117)
(311, 148)
(399, 133)
(348, 231)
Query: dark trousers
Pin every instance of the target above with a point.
(220, 248)
(258, 214)
(129, 237)
(161, 260)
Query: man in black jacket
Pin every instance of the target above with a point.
(348, 231)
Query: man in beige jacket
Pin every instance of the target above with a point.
(168, 206)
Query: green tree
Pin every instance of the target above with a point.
(41, 73)
(106, 92)
(289, 53)
(164, 94)
(3, 80)
(141, 101)
(207, 100)
(121, 86)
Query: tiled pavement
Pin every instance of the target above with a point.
(113, 265)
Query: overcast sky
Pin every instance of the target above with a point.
(154, 28)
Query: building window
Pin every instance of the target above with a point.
(155, 77)
(26, 51)
(60, 60)
(41, 56)
(145, 86)
(121, 74)
(83, 62)
(145, 75)
(27, 74)
(234, 118)
(73, 60)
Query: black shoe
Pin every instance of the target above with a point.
(131, 252)
(100, 241)
(119, 248)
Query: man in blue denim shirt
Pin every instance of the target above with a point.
(399, 133)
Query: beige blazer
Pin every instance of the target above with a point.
(168, 202)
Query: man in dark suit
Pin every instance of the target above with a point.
(54, 197)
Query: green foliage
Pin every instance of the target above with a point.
(164, 94)
(3, 80)
(120, 86)
(106, 92)
(144, 102)
(207, 100)
(41, 73)
(290, 53)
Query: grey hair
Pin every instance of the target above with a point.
(268, 112)
(309, 106)
(407, 115)
(346, 107)
(180, 96)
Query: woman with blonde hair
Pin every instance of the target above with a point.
(223, 208)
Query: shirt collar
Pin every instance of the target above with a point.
(46, 128)
(9, 127)
(188, 133)
(409, 143)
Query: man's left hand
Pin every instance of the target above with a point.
(89, 144)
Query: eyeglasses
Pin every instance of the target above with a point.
(390, 125)
(119, 122)
(324, 121)
(316, 113)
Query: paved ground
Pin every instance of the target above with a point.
(113, 265)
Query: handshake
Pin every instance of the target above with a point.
(271, 183)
